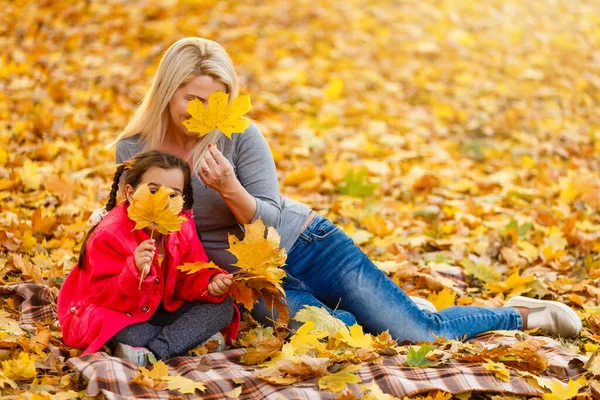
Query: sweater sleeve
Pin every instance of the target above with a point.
(194, 287)
(114, 278)
(257, 174)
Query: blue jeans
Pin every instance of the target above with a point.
(326, 269)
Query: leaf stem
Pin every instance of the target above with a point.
(142, 273)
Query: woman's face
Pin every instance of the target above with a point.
(199, 87)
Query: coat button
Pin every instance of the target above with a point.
(145, 309)
(73, 310)
(156, 280)
(128, 314)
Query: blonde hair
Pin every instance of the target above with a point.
(183, 61)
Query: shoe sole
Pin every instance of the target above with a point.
(119, 351)
(122, 351)
(526, 302)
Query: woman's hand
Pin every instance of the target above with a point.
(216, 171)
(219, 284)
(143, 256)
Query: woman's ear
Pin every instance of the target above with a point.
(129, 190)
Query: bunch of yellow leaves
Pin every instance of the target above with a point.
(228, 118)
(260, 261)
(159, 210)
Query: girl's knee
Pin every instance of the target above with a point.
(225, 308)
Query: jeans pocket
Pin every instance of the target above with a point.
(324, 230)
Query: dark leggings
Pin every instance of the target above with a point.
(172, 334)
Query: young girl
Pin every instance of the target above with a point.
(172, 312)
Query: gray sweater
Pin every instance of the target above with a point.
(253, 164)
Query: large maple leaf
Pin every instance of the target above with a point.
(159, 210)
(257, 254)
(228, 118)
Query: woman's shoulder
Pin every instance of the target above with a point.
(129, 147)
(251, 131)
(251, 138)
(131, 140)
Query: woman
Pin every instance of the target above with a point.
(236, 183)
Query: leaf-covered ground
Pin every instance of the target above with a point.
(440, 134)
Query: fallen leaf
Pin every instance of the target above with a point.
(418, 358)
(560, 392)
(338, 381)
(498, 369)
(322, 319)
(183, 384)
(235, 393)
(20, 368)
(442, 299)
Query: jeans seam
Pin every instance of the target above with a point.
(470, 317)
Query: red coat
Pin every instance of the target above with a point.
(99, 300)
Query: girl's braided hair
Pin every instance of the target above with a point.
(134, 169)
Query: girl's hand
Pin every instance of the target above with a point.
(216, 171)
(143, 256)
(219, 284)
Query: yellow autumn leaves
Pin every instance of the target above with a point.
(260, 262)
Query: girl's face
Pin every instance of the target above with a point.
(199, 87)
(156, 177)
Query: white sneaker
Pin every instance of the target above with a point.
(423, 304)
(551, 316)
(139, 355)
(220, 339)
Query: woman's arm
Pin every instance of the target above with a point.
(256, 193)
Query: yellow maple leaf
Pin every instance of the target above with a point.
(374, 392)
(354, 337)
(159, 370)
(498, 369)
(21, 368)
(183, 384)
(257, 254)
(322, 319)
(235, 393)
(158, 210)
(30, 176)
(287, 352)
(560, 392)
(515, 283)
(219, 114)
(192, 268)
(338, 381)
(307, 338)
(442, 299)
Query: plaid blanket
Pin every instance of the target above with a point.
(112, 376)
